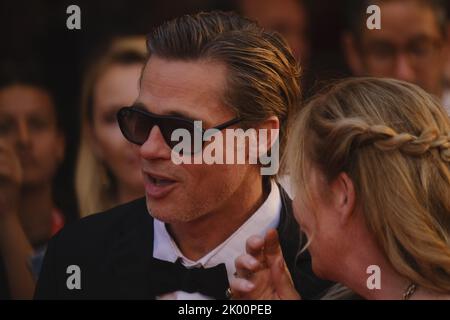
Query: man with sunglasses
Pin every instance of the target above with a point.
(180, 242)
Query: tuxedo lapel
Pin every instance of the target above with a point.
(298, 262)
(289, 235)
(130, 258)
(288, 229)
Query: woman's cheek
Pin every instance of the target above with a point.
(107, 138)
(298, 209)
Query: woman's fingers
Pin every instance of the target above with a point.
(272, 248)
(246, 265)
(241, 288)
(280, 275)
(282, 281)
(254, 246)
(262, 272)
(254, 279)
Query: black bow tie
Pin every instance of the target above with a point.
(170, 277)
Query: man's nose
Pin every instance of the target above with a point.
(155, 147)
(404, 69)
(23, 137)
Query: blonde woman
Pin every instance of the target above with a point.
(370, 161)
(108, 170)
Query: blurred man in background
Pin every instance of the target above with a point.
(32, 147)
(447, 68)
(411, 44)
(288, 17)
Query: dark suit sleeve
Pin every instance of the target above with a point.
(46, 287)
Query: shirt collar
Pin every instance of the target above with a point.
(266, 217)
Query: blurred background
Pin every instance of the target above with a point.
(36, 30)
(62, 155)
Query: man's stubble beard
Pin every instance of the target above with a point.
(199, 207)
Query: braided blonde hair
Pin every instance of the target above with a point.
(393, 140)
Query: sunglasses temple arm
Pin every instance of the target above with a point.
(228, 123)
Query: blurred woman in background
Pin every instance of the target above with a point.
(370, 161)
(108, 169)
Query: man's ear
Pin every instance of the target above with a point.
(353, 54)
(272, 130)
(343, 192)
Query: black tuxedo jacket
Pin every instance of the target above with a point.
(114, 252)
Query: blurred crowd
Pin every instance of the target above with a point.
(62, 155)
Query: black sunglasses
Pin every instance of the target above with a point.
(136, 125)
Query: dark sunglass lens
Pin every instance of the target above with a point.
(182, 134)
(142, 126)
(135, 126)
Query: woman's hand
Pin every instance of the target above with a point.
(15, 248)
(10, 181)
(262, 273)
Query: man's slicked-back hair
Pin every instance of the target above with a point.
(262, 74)
(187, 36)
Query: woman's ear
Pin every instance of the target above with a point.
(344, 197)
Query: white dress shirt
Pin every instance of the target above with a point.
(265, 218)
